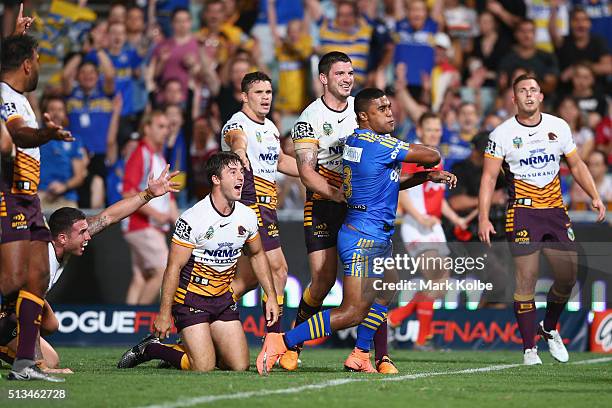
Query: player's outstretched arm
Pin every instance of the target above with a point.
(414, 179)
(423, 155)
(130, 205)
(307, 163)
(583, 177)
(25, 137)
(179, 256)
(490, 171)
(261, 268)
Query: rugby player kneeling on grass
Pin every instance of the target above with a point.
(207, 242)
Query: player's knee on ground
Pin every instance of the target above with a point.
(201, 364)
(234, 365)
(50, 356)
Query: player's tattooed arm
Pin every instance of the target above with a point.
(121, 209)
(306, 154)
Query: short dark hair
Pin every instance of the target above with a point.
(252, 77)
(61, 220)
(15, 50)
(179, 10)
(216, 163)
(577, 10)
(428, 115)
(329, 59)
(524, 21)
(87, 62)
(365, 96)
(524, 77)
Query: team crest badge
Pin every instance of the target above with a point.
(327, 129)
(570, 234)
(517, 142)
(209, 234)
(258, 136)
(552, 137)
(241, 230)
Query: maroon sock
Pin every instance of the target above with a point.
(555, 303)
(158, 351)
(29, 314)
(380, 342)
(525, 313)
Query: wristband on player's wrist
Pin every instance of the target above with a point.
(146, 195)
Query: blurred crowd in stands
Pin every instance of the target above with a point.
(150, 81)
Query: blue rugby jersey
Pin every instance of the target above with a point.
(371, 178)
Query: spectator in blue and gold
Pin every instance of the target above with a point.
(414, 33)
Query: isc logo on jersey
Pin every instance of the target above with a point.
(538, 159)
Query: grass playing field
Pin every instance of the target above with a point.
(434, 379)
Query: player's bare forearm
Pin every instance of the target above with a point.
(423, 155)
(306, 160)
(583, 177)
(179, 256)
(487, 186)
(288, 165)
(117, 212)
(26, 137)
(261, 267)
(412, 180)
(6, 143)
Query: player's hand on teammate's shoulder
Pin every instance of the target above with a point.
(272, 311)
(163, 325)
(163, 184)
(57, 132)
(599, 207)
(443, 177)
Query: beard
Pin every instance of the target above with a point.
(32, 83)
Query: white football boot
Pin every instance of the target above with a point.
(530, 357)
(555, 344)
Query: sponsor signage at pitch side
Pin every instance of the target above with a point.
(455, 329)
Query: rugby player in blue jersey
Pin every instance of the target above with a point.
(371, 182)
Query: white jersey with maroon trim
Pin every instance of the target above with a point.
(216, 241)
(263, 150)
(531, 156)
(329, 129)
(24, 175)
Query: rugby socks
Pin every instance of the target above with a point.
(424, 312)
(29, 315)
(398, 315)
(380, 342)
(317, 326)
(555, 303)
(307, 308)
(525, 312)
(172, 353)
(276, 327)
(366, 329)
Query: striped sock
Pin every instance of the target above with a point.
(369, 325)
(316, 327)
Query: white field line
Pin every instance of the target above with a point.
(205, 399)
